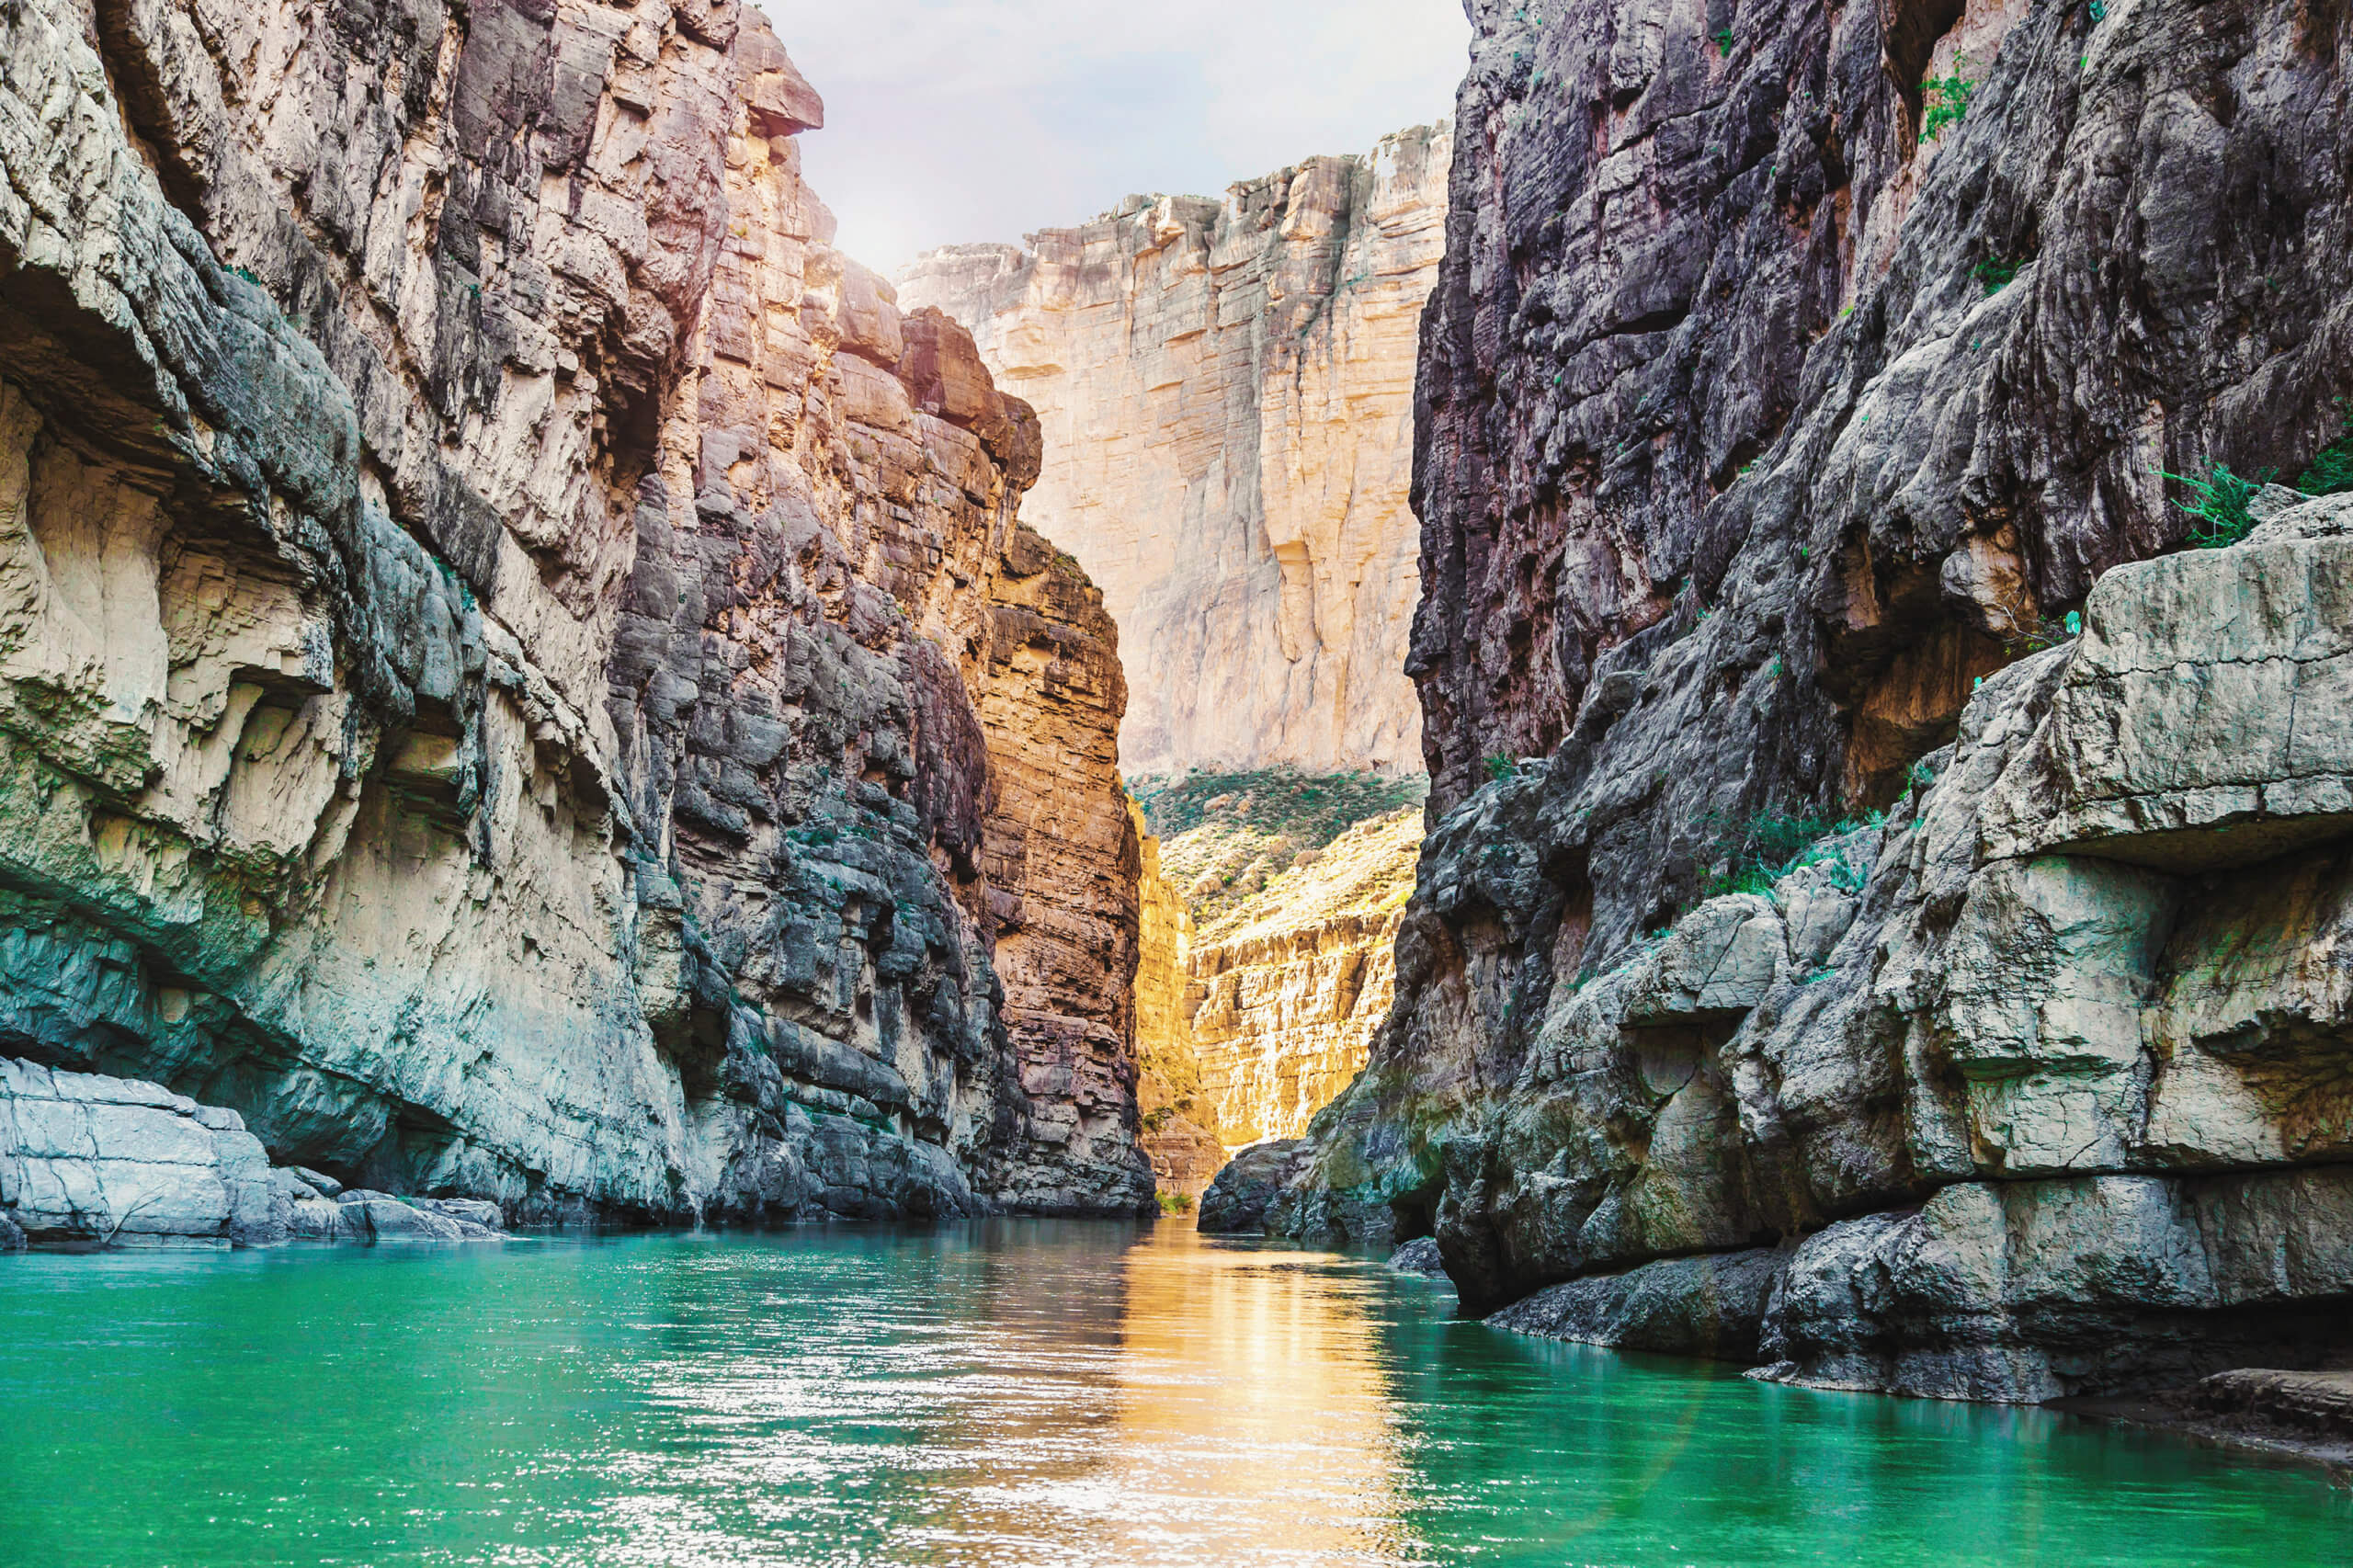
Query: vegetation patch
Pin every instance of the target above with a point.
(1995, 274)
(1945, 101)
(2220, 501)
(2331, 472)
(1227, 838)
(1759, 851)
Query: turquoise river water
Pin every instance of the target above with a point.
(1015, 1393)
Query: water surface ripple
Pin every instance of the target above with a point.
(1014, 1393)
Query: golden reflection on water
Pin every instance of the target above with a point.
(1193, 1403)
(1255, 1420)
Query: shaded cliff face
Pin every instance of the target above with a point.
(1226, 394)
(519, 672)
(1740, 463)
(1736, 469)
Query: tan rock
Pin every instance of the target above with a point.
(1226, 395)
(1186, 1155)
(1286, 989)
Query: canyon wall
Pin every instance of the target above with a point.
(1226, 392)
(1791, 449)
(520, 672)
(1286, 989)
(1185, 1155)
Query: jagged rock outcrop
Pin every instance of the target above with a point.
(1754, 431)
(1227, 393)
(519, 671)
(2032, 1090)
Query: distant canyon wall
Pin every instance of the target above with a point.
(1225, 390)
(520, 670)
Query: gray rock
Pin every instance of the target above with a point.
(1237, 1201)
(380, 1217)
(2207, 718)
(1419, 1256)
(84, 1157)
(12, 1236)
(323, 1186)
(1686, 1306)
(478, 1212)
(318, 1220)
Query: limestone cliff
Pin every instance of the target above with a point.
(1186, 1155)
(519, 670)
(1225, 389)
(1287, 987)
(1262, 1013)
(1798, 384)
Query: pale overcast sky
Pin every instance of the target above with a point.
(956, 120)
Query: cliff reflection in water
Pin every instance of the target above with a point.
(1254, 1409)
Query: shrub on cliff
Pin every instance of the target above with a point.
(2221, 502)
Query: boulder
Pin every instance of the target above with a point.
(88, 1158)
(380, 1217)
(1419, 1256)
(1237, 1201)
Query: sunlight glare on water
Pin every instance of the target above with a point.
(1000, 1394)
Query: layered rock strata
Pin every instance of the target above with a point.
(519, 671)
(1227, 393)
(2033, 1090)
(1286, 990)
(1272, 967)
(1186, 1155)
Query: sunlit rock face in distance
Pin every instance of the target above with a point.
(1226, 392)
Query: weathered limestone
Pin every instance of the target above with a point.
(1186, 1155)
(94, 1159)
(519, 670)
(1286, 990)
(1994, 1100)
(1225, 389)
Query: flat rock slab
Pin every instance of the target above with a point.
(2319, 1402)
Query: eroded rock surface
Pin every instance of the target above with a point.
(1226, 393)
(520, 669)
(2002, 1098)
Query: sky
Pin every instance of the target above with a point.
(950, 121)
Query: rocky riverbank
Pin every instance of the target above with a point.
(2022, 1091)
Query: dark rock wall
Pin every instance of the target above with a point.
(1711, 357)
(1740, 463)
